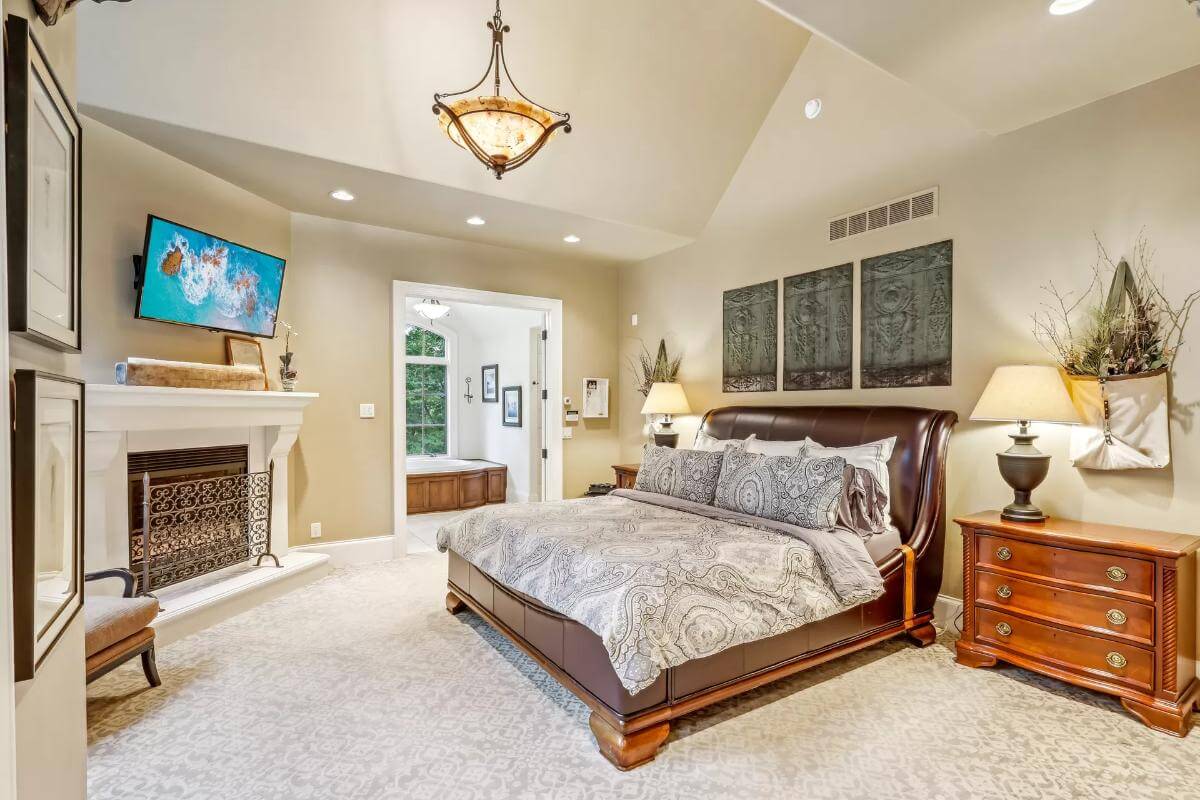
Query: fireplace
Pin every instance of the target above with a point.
(193, 511)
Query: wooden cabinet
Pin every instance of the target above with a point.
(450, 491)
(626, 475)
(1105, 607)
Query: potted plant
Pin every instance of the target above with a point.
(1117, 348)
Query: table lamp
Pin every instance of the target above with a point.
(1025, 394)
(667, 399)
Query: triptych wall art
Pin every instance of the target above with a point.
(905, 320)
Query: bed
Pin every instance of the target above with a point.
(776, 620)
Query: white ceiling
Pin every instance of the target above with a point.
(1004, 64)
(291, 98)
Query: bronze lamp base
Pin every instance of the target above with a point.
(1023, 467)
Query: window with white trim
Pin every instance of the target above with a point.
(426, 374)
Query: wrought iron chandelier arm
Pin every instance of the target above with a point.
(525, 97)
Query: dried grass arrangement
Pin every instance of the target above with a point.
(1130, 329)
(659, 368)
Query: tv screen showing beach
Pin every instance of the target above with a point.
(192, 278)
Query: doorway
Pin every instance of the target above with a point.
(441, 421)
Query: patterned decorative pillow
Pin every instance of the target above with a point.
(686, 474)
(800, 491)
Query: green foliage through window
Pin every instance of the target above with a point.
(426, 409)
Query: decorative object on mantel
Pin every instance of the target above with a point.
(287, 375)
(907, 315)
(188, 375)
(1118, 350)
(45, 189)
(1025, 394)
(749, 338)
(818, 329)
(47, 509)
(490, 377)
(659, 368)
(51, 11)
(666, 399)
(246, 353)
(502, 132)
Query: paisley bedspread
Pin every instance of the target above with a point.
(662, 581)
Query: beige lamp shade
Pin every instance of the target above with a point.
(1026, 393)
(666, 398)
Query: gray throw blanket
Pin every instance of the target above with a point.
(662, 581)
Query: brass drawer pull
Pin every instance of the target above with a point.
(1116, 660)
(1004, 629)
(1116, 574)
(1004, 591)
(1116, 616)
(1004, 554)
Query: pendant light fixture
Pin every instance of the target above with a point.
(502, 132)
(431, 309)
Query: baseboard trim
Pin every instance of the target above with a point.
(354, 551)
(945, 612)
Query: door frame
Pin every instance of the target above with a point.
(553, 310)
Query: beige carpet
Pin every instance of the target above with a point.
(361, 686)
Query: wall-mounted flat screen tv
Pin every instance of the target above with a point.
(189, 277)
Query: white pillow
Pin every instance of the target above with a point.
(872, 457)
(765, 448)
(711, 444)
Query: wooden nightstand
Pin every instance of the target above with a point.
(626, 475)
(1108, 608)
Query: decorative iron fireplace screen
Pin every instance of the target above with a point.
(198, 526)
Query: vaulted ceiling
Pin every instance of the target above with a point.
(293, 98)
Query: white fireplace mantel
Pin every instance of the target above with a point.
(124, 419)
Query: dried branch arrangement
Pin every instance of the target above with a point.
(659, 368)
(1131, 328)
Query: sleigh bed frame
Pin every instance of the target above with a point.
(629, 729)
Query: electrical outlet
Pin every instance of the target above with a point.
(314, 531)
(366, 411)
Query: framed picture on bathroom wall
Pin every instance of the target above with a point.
(511, 407)
(47, 536)
(490, 378)
(43, 147)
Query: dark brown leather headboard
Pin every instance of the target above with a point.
(917, 466)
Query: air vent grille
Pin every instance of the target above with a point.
(921, 205)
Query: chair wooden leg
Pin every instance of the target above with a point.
(454, 603)
(150, 667)
(628, 750)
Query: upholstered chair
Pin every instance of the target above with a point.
(118, 628)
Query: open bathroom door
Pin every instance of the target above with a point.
(537, 415)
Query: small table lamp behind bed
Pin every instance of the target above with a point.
(667, 399)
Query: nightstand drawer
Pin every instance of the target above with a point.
(1091, 611)
(1131, 576)
(1101, 658)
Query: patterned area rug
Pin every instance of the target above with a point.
(362, 686)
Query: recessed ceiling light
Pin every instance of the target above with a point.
(571, 238)
(1061, 8)
(341, 194)
(812, 109)
(476, 221)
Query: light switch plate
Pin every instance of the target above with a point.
(633, 320)
(366, 411)
(314, 531)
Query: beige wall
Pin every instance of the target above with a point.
(51, 718)
(338, 295)
(123, 181)
(1021, 209)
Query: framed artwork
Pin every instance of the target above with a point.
(490, 378)
(241, 352)
(511, 407)
(47, 513)
(749, 338)
(907, 317)
(595, 398)
(818, 329)
(43, 146)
